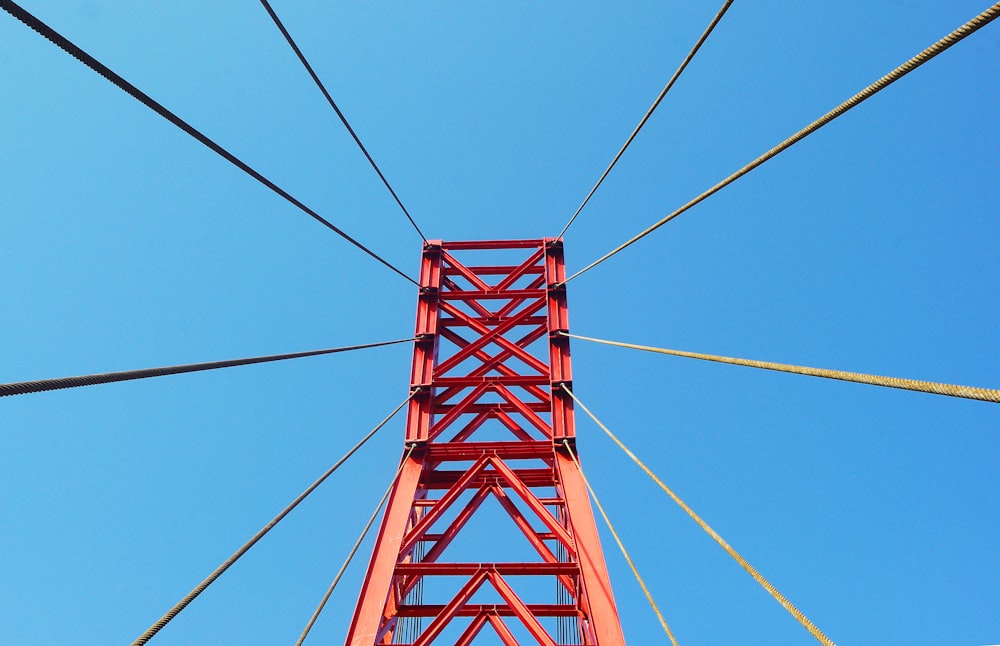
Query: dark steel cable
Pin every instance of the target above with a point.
(25, 387)
(189, 597)
(354, 550)
(343, 119)
(76, 52)
(656, 103)
(954, 37)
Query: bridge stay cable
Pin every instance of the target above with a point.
(932, 387)
(26, 387)
(621, 546)
(954, 37)
(76, 52)
(354, 550)
(656, 103)
(46, 31)
(333, 104)
(757, 576)
(198, 589)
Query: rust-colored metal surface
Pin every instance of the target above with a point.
(489, 422)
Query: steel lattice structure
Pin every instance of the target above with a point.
(488, 360)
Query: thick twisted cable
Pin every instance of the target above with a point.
(656, 103)
(76, 52)
(354, 550)
(333, 104)
(757, 576)
(967, 29)
(25, 387)
(198, 589)
(932, 387)
(621, 546)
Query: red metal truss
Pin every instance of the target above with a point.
(488, 423)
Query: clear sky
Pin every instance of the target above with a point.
(871, 246)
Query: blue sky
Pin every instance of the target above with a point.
(871, 246)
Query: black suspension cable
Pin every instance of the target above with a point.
(343, 119)
(76, 52)
(656, 103)
(189, 597)
(25, 387)
(954, 37)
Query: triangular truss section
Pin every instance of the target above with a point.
(488, 363)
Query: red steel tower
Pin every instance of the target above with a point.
(488, 426)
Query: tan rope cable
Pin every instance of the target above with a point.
(350, 556)
(957, 35)
(656, 103)
(932, 387)
(758, 577)
(621, 546)
(189, 597)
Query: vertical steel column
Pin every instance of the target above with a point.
(489, 421)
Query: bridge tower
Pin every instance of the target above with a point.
(489, 425)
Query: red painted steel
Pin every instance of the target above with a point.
(488, 421)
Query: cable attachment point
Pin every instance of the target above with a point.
(567, 444)
(560, 335)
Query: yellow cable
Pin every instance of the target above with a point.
(191, 596)
(932, 387)
(354, 550)
(758, 577)
(607, 521)
(955, 36)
